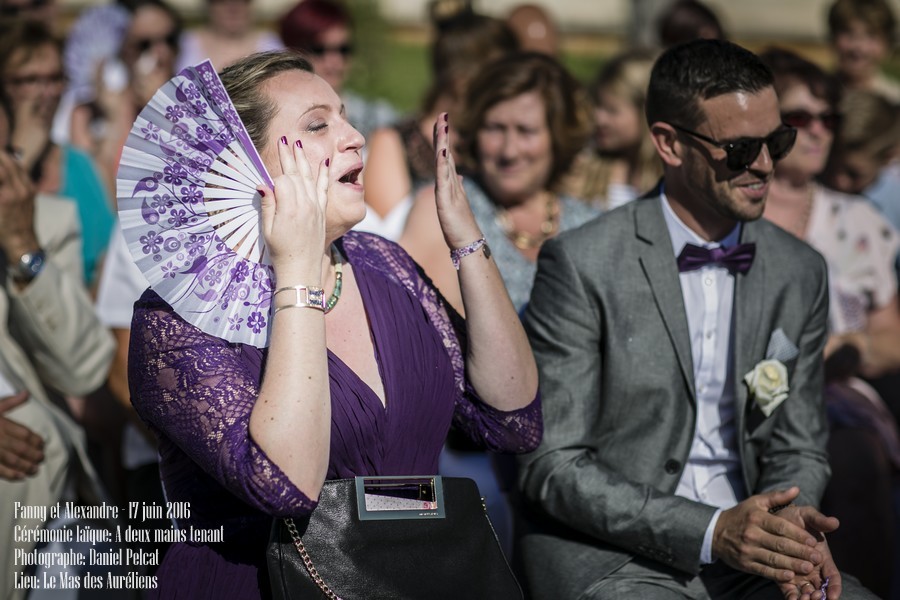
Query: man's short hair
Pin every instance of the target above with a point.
(686, 74)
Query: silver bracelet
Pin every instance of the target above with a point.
(459, 253)
(305, 297)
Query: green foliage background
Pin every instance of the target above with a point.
(391, 67)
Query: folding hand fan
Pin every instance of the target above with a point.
(95, 39)
(190, 211)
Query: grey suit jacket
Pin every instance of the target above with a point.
(609, 330)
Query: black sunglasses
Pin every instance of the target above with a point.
(144, 44)
(344, 50)
(742, 152)
(799, 119)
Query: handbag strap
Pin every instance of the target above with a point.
(307, 561)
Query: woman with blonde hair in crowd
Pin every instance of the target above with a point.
(865, 158)
(622, 163)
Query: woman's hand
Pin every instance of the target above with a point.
(293, 216)
(17, 235)
(455, 216)
(31, 135)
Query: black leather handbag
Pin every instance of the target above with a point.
(373, 538)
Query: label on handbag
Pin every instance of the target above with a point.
(400, 497)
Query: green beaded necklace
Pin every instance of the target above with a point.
(338, 260)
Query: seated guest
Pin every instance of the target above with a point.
(521, 124)
(522, 121)
(227, 35)
(859, 247)
(365, 384)
(857, 242)
(401, 164)
(688, 20)
(862, 33)
(50, 342)
(679, 342)
(32, 75)
(323, 30)
(865, 157)
(622, 163)
(100, 125)
(535, 28)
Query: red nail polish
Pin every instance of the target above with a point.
(327, 162)
(299, 144)
(447, 129)
(284, 140)
(446, 116)
(444, 153)
(262, 193)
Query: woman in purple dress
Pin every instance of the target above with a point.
(368, 386)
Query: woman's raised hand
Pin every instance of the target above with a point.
(456, 218)
(293, 216)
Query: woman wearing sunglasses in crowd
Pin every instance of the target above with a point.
(126, 83)
(228, 35)
(323, 31)
(859, 247)
(32, 78)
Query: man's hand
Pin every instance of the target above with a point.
(21, 450)
(807, 587)
(31, 136)
(751, 539)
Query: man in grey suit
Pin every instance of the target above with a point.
(679, 340)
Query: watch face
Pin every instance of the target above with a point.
(29, 266)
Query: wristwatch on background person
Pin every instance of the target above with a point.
(28, 266)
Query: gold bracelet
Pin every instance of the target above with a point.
(306, 297)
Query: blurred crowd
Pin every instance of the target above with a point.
(541, 153)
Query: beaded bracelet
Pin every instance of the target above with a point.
(306, 297)
(459, 253)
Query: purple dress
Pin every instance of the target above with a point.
(196, 391)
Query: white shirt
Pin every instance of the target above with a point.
(713, 472)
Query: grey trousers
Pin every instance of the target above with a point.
(651, 581)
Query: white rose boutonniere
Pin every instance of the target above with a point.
(768, 384)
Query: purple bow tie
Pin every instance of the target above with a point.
(736, 259)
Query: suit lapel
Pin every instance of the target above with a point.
(658, 264)
(749, 299)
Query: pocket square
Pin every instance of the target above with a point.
(780, 348)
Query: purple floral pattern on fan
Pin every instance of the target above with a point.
(190, 210)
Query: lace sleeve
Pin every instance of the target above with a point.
(508, 432)
(198, 391)
(513, 432)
